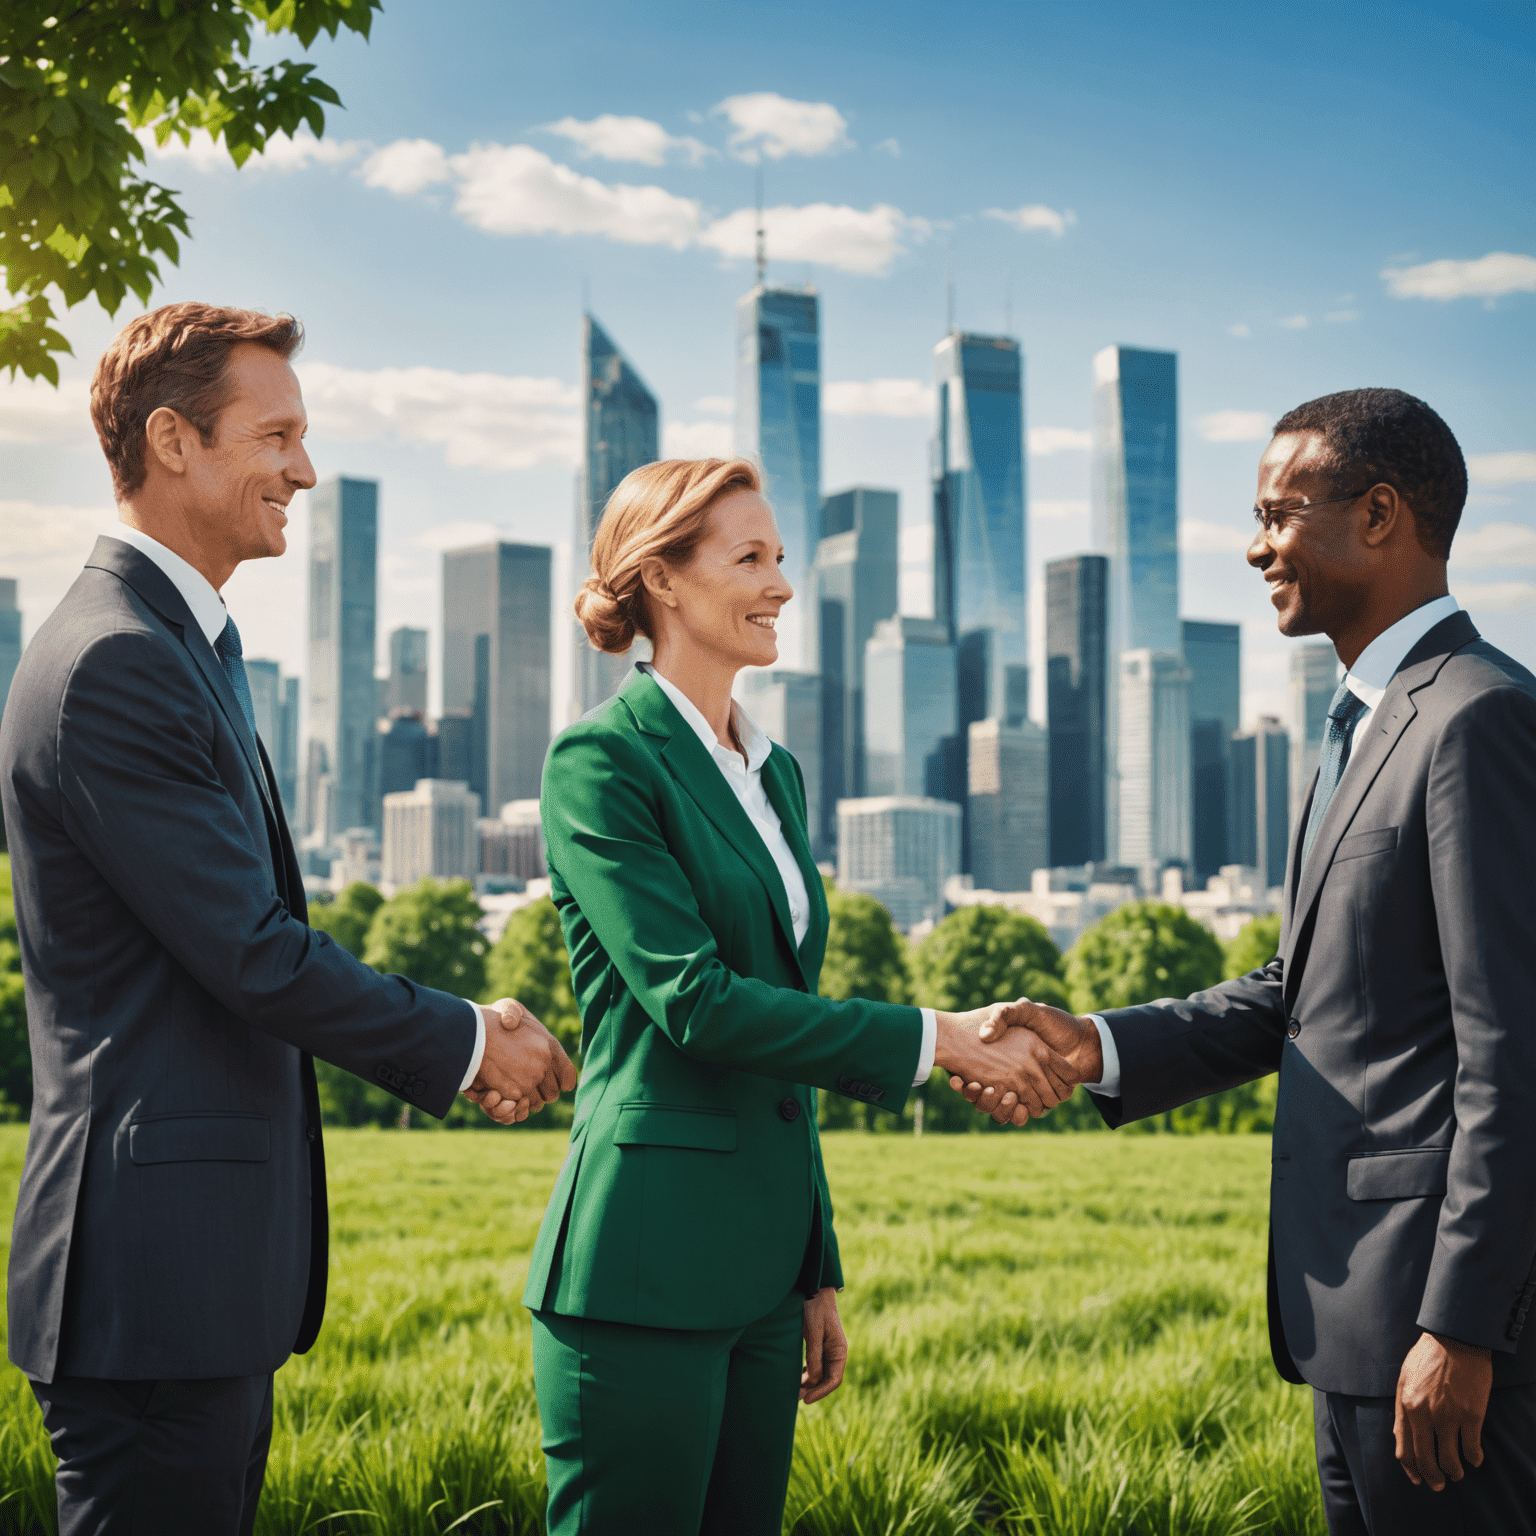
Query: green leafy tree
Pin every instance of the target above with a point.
(77, 213)
(529, 963)
(985, 954)
(348, 917)
(866, 957)
(428, 932)
(1254, 945)
(1141, 951)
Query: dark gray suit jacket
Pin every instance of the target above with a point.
(172, 1217)
(1401, 1016)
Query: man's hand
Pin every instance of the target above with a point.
(1442, 1397)
(1068, 1039)
(826, 1347)
(524, 1066)
(1021, 1074)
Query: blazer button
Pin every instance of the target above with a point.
(790, 1109)
(1293, 1028)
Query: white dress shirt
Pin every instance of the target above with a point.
(208, 609)
(1374, 669)
(745, 778)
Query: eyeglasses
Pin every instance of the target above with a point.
(1272, 518)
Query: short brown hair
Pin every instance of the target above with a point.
(176, 356)
(657, 510)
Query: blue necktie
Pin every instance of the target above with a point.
(227, 649)
(1343, 714)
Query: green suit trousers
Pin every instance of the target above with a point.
(668, 1431)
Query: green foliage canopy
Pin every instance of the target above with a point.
(866, 957)
(1255, 945)
(77, 214)
(427, 932)
(1141, 951)
(529, 962)
(985, 954)
(347, 919)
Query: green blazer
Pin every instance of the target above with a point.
(693, 1194)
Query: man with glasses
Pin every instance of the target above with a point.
(1401, 1009)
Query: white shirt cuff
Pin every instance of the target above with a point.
(930, 1047)
(478, 1054)
(1109, 1084)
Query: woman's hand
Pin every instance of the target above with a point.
(826, 1347)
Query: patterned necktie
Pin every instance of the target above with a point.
(1343, 714)
(227, 649)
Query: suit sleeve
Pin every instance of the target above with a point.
(1174, 1052)
(606, 845)
(1481, 810)
(142, 800)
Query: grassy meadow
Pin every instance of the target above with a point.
(1055, 1335)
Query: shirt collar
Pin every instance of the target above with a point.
(752, 738)
(196, 590)
(1377, 664)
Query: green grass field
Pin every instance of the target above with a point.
(1058, 1335)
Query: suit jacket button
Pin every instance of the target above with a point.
(790, 1109)
(1293, 1028)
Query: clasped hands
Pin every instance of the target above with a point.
(524, 1067)
(1014, 1060)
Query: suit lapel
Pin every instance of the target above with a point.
(779, 782)
(701, 779)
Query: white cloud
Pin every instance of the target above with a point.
(32, 411)
(1489, 277)
(1295, 322)
(1197, 538)
(511, 189)
(482, 420)
(1234, 426)
(458, 534)
(1035, 216)
(1342, 316)
(401, 576)
(1054, 509)
(1495, 544)
(1496, 596)
(44, 547)
(698, 440)
(860, 240)
(777, 126)
(715, 405)
(1501, 468)
(282, 154)
(877, 397)
(892, 147)
(1238, 330)
(406, 166)
(1047, 440)
(635, 139)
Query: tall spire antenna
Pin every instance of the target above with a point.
(762, 237)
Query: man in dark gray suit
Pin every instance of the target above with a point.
(1401, 1009)
(170, 1244)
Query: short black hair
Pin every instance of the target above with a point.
(1386, 437)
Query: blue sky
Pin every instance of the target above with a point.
(1296, 200)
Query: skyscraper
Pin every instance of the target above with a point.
(1260, 802)
(10, 637)
(275, 703)
(1135, 516)
(430, 831)
(855, 589)
(1213, 653)
(1154, 759)
(786, 705)
(778, 423)
(1009, 768)
(621, 430)
(911, 715)
(343, 697)
(1314, 681)
(979, 552)
(900, 849)
(496, 662)
(1076, 685)
(407, 684)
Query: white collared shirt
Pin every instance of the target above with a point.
(745, 778)
(1374, 669)
(210, 614)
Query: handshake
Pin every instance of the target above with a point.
(524, 1067)
(1014, 1060)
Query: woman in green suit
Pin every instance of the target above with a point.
(687, 1254)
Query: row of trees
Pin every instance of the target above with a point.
(974, 956)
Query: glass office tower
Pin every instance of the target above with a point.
(407, 685)
(1076, 684)
(1153, 749)
(343, 697)
(1213, 653)
(1314, 681)
(10, 638)
(855, 589)
(621, 430)
(496, 664)
(1260, 799)
(778, 423)
(911, 714)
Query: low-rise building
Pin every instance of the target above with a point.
(430, 831)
